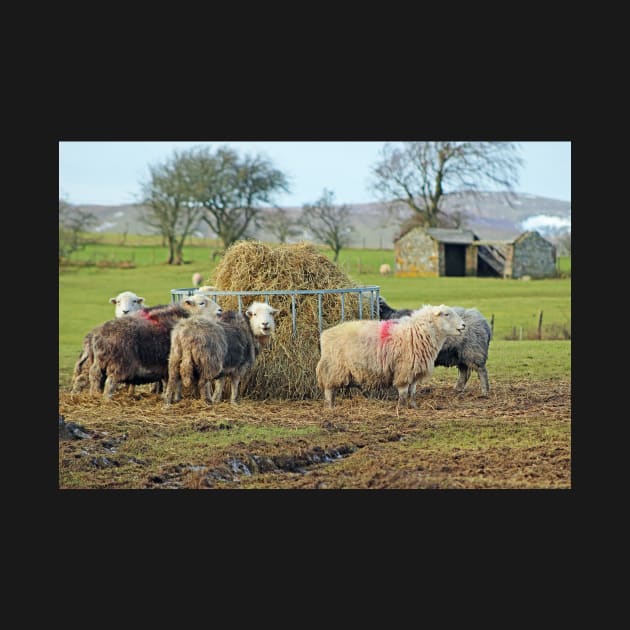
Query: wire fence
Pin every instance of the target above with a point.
(368, 298)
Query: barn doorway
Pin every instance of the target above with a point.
(455, 260)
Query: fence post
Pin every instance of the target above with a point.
(540, 325)
(492, 324)
(520, 334)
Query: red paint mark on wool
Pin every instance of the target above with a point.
(385, 329)
(148, 316)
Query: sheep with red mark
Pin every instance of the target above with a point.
(126, 303)
(468, 351)
(398, 352)
(135, 350)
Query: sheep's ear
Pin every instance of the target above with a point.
(275, 311)
(249, 313)
(140, 300)
(437, 311)
(188, 301)
(112, 300)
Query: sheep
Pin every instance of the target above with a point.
(205, 351)
(206, 288)
(246, 336)
(198, 345)
(468, 351)
(126, 303)
(135, 349)
(399, 352)
(385, 269)
(197, 278)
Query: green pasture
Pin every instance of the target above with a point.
(515, 305)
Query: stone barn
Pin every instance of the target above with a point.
(456, 252)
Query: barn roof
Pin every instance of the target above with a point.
(448, 235)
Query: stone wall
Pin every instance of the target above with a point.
(416, 255)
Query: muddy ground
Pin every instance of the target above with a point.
(518, 437)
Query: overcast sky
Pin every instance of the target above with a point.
(110, 173)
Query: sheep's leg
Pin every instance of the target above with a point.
(110, 387)
(236, 379)
(157, 387)
(482, 372)
(412, 393)
(206, 388)
(403, 397)
(329, 396)
(131, 389)
(173, 391)
(218, 389)
(96, 378)
(464, 375)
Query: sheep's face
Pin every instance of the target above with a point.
(202, 305)
(261, 318)
(126, 303)
(448, 321)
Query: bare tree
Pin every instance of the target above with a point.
(73, 225)
(169, 204)
(329, 224)
(421, 173)
(232, 190)
(278, 223)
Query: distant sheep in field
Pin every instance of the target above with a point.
(399, 352)
(206, 288)
(197, 279)
(203, 351)
(468, 351)
(134, 350)
(385, 270)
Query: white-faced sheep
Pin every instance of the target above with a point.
(468, 351)
(385, 270)
(126, 303)
(246, 336)
(204, 351)
(135, 349)
(398, 352)
(197, 279)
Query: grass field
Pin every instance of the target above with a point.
(518, 437)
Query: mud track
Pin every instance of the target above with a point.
(518, 437)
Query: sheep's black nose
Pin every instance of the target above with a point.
(125, 312)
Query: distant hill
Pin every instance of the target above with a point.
(489, 215)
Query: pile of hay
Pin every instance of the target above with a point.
(285, 369)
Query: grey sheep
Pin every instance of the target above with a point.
(203, 352)
(246, 335)
(467, 352)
